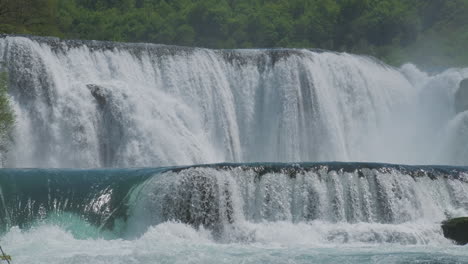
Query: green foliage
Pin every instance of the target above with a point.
(28, 16)
(7, 118)
(429, 32)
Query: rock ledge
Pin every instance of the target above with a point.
(456, 229)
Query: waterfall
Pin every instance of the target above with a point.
(229, 198)
(101, 104)
(334, 202)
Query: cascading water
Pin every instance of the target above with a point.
(89, 104)
(226, 195)
(100, 104)
(233, 207)
(230, 197)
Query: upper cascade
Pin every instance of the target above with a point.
(89, 104)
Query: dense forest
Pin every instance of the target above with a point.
(432, 33)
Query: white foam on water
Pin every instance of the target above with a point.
(179, 243)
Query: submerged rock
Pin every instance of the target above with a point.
(98, 93)
(456, 229)
(461, 97)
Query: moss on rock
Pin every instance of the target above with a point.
(456, 229)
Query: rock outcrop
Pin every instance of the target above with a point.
(98, 93)
(461, 97)
(456, 229)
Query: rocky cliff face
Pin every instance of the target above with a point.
(461, 97)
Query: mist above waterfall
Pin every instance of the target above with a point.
(102, 104)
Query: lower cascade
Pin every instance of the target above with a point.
(323, 202)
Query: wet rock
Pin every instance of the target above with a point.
(456, 229)
(98, 93)
(461, 97)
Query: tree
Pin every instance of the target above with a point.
(28, 16)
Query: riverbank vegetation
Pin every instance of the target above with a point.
(431, 33)
(7, 117)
